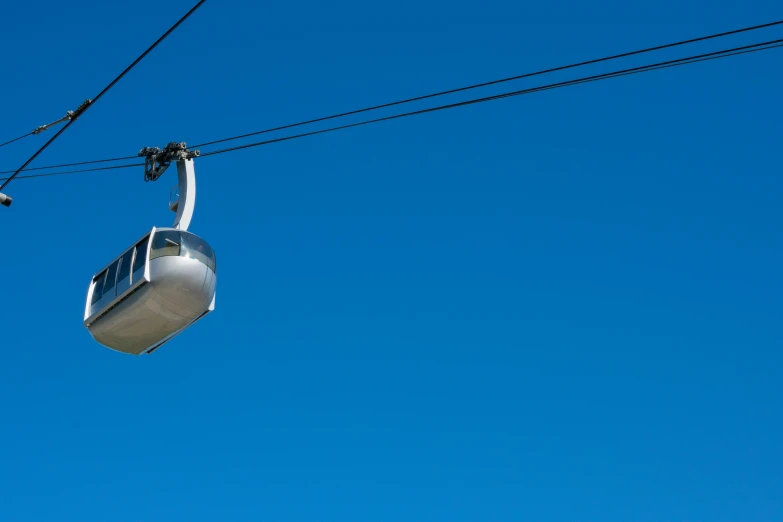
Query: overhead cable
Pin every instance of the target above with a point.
(106, 89)
(16, 139)
(69, 165)
(38, 130)
(67, 172)
(495, 82)
(443, 93)
(625, 72)
(764, 46)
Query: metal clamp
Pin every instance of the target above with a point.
(70, 115)
(157, 161)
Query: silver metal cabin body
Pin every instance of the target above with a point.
(159, 286)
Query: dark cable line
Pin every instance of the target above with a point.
(16, 139)
(765, 46)
(65, 172)
(26, 163)
(149, 49)
(69, 165)
(41, 128)
(443, 93)
(495, 82)
(106, 89)
(634, 70)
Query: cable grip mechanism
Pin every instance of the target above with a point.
(156, 161)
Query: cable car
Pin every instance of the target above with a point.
(158, 287)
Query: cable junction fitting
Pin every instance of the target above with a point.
(156, 161)
(70, 115)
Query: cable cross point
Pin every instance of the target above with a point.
(156, 161)
(70, 115)
(86, 105)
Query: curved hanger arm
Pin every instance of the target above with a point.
(187, 194)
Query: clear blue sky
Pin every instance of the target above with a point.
(559, 307)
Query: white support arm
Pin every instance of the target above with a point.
(187, 194)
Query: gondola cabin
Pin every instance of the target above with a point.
(158, 287)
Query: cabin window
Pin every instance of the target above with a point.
(165, 243)
(196, 248)
(97, 291)
(140, 260)
(111, 279)
(123, 274)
